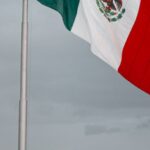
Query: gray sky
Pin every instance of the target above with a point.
(76, 101)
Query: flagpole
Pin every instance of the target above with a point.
(22, 131)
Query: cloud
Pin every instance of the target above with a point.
(145, 123)
(117, 125)
(98, 129)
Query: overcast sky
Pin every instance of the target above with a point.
(76, 101)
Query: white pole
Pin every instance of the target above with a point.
(22, 133)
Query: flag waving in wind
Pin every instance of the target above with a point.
(117, 30)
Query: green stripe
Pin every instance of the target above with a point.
(67, 9)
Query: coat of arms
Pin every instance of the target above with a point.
(112, 9)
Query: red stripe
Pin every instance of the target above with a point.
(135, 65)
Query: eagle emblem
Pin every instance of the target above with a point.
(112, 9)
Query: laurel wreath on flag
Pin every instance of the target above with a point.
(110, 14)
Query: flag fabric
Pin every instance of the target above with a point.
(117, 30)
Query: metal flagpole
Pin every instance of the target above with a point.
(22, 131)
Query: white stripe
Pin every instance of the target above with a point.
(107, 39)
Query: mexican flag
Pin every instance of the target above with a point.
(117, 30)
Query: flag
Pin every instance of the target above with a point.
(117, 30)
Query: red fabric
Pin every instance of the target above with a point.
(135, 65)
